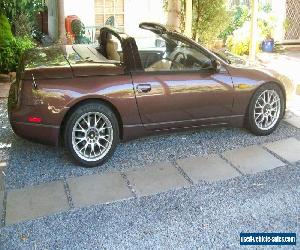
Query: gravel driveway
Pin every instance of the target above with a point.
(205, 216)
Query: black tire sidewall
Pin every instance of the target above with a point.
(251, 118)
(75, 115)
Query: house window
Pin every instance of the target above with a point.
(109, 12)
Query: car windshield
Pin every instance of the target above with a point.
(168, 51)
(229, 57)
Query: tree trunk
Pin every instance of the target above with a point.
(174, 14)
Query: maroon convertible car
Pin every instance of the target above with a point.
(90, 97)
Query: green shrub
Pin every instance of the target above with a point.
(238, 47)
(23, 25)
(5, 30)
(239, 42)
(78, 29)
(11, 52)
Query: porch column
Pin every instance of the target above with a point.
(61, 21)
(174, 14)
(253, 36)
(189, 18)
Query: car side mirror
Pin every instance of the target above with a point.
(217, 65)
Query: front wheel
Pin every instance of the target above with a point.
(91, 134)
(266, 110)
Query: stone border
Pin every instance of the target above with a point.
(34, 202)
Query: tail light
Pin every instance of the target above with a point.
(33, 119)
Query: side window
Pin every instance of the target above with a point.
(167, 53)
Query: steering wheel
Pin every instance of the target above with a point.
(179, 57)
(177, 61)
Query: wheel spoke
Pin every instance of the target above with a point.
(80, 141)
(103, 138)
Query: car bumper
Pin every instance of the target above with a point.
(37, 132)
(41, 133)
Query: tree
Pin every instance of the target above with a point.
(21, 12)
(210, 18)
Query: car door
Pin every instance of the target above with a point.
(191, 94)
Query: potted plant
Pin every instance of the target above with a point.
(78, 29)
(267, 23)
(268, 43)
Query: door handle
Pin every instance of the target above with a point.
(143, 88)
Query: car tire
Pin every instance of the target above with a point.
(266, 110)
(91, 134)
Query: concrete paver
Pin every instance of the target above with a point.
(294, 121)
(288, 149)
(160, 178)
(34, 202)
(211, 168)
(252, 159)
(98, 189)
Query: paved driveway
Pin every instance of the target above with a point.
(187, 189)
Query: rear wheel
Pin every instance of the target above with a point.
(266, 109)
(92, 133)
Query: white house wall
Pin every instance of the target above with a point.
(137, 11)
(279, 10)
(84, 9)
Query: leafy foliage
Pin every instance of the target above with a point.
(240, 16)
(11, 48)
(12, 52)
(210, 18)
(78, 29)
(239, 42)
(21, 14)
(5, 29)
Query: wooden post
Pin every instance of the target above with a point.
(61, 22)
(189, 18)
(253, 35)
(174, 14)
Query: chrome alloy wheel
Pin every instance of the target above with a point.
(267, 110)
(92, 136)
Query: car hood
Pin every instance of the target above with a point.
(256, 71)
